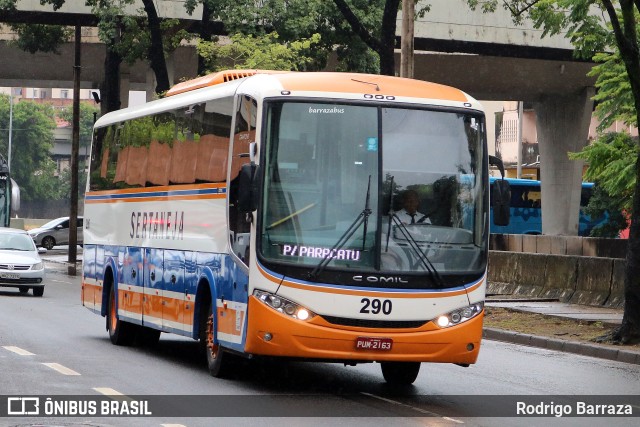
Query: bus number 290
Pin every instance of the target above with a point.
(375, 306)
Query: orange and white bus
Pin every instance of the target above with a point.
(260, 213)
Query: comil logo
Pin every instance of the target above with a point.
(23, 406)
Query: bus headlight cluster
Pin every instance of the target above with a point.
(460, 315)
(283, 305)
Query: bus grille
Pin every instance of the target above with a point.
(379, 324)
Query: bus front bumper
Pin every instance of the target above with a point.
(271, 333)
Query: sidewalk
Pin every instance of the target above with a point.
(609, 316)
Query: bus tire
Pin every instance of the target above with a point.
(400, 373)
(214, 353)
(120, 332)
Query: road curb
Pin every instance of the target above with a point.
(583, 349)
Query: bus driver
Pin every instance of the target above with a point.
(409, 213)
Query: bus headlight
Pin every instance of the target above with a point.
(460, 315)
(283, 305)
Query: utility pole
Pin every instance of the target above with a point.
(519, 155)
(406, 42)
(75, 144)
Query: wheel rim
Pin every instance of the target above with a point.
(113, 320)
(48, 243)
(212, 349)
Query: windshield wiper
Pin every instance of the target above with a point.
(428, 265)
(363, 217)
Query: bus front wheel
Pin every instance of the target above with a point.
(214, 353)
(400, 373)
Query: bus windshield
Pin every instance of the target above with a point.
(373, 189)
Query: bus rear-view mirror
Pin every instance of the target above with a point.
(248, 188)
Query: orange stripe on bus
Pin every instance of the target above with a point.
(156, 189)
(160, 198)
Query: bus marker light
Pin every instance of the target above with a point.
(267, 336)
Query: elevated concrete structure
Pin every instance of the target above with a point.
(486, 55)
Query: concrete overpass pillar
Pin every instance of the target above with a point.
(563, 127)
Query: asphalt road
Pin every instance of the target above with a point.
(52, 346)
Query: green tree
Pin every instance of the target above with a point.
(611, 166)
(294, 20)
(87, 112)
(31, 164)
(602, 26)
(261, 52)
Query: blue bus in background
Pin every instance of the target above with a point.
(526, 210)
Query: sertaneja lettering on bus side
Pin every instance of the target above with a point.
(157, 225)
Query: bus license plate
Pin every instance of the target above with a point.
(9, 276)
(372, 343)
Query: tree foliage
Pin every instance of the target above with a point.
(261, 52)
(609, 27)
(297, 20)
(31, 164)
(611, 166)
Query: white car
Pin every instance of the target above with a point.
(20, 263)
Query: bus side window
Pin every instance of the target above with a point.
(244, 134)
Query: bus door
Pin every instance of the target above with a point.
(153, 277)
(129, 297)
(173, 292)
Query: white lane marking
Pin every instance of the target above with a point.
(62, 369)
(423, 411)
(18, 350)
(107, 391)
(173, 425)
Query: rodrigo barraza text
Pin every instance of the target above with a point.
(574, 409)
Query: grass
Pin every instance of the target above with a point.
(547, 326)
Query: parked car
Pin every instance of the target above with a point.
(55, 232)
(20, 263)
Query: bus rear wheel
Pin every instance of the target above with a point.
(400, 373)
(120, 332)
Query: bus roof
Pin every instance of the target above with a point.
(379, 86)
(261, 83)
